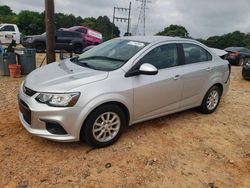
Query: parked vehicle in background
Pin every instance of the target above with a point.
(9, 32)
(246, 71)
(64, 40)
(238, 55)
(221, 53)
(121, 82)
(91, 36)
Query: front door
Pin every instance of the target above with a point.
(160, 93)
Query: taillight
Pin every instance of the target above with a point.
(234, 54)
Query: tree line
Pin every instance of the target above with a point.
(32, 23)
(235, 38)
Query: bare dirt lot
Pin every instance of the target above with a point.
(186, 149)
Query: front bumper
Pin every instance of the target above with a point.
(33, 116)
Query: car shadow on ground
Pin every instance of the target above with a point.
(129, 132)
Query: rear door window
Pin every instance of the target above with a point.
(195, 54)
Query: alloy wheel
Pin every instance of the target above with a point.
(212, 100)
(106, 126)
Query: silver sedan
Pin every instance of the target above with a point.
(121, 82)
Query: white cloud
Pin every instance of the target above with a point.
(201, 18)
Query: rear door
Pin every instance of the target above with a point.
(158, 94)
(197, 70)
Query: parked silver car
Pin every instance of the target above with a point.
(118, 83)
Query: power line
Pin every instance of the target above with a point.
(122, 19)
(142, 15)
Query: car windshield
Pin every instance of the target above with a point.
(110, 55)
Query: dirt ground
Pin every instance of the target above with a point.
(186, 149)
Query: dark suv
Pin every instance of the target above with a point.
(64, 40)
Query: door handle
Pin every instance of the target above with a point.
(13, 33)
(177, 77)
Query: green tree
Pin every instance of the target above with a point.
(5, 10)
(235, 38)
(7, 15)
(32, 23)
(89, 22)
(174, 31)
(104, 26)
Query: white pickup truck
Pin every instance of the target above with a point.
(9, 32)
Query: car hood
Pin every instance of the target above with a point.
(62, 76)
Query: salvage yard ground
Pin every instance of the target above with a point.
(186, 149)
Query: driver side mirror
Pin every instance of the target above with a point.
(145, 68)
(148, 69)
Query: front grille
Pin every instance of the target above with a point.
(28, 91)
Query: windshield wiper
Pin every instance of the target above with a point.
(102, 57)
(74, 59)
(81, 63)
(85, 64)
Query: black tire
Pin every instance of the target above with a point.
(40, 47)
(204, 108)
(87, 132)
(77, 48)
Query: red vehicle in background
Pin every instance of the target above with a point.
(91, 36)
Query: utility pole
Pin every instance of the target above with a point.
(129, 12)
(50, 30)
(142, 15)
(125, 19)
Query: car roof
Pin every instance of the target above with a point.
(151, 39)
(237, 49)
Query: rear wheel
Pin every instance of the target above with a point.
(40, 47)
(211, 100)
(104, 126)
(77, 48)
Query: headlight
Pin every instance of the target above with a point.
(59, 100)
(248, 64)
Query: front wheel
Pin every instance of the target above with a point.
(211, 100)
(104, 126)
